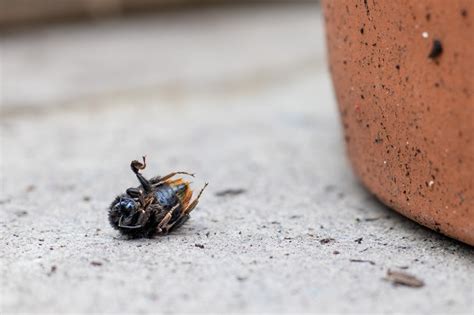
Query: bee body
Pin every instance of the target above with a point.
(156, 207)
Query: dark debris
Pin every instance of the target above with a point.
(363, 261)
(295, 216)
(230, 192)
(30, 188)
(403, 278)
(21, 213)
(327, 240)
(436, 50)
(52, 270)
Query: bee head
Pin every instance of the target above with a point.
(126, 215)
(126, 206)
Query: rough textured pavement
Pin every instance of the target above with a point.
(283, 245)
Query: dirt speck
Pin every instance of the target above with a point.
(327, 241)
(362, 261)
(52, 270)
(403, 278)
(199, 245)
(230, 192)
(30, 188)
(96, 263)
(370, 219)
(436, 49)
(21, 213)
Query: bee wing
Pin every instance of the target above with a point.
(182, 189)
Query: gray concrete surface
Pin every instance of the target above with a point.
(267, 126)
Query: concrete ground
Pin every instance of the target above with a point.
(242, 97)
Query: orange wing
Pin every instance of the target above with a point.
(183, 190)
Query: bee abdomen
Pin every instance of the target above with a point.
(182, 190)
(166, 196)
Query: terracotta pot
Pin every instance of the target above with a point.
(403, 73)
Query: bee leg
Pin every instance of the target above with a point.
(193, 204)
(134, 192)
(136, 166)
(166, 219)
(144, 182)
(176, 173)
(179, 222)
(160, 180)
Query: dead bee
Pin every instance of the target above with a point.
(156, 207)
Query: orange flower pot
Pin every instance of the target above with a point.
(403, 72)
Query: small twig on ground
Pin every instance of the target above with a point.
(230, 192)
(403, 278)
(362, 261)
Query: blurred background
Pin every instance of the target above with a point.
(31, 12)
(56, 52)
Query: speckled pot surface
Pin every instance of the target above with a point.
(403, 73)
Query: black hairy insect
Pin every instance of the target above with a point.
(436, 50)
(156, 207)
